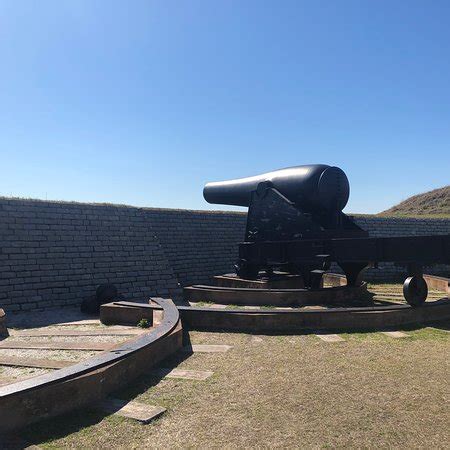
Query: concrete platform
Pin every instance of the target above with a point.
(395, 334)
(137, 411)
(58, 316)
(330, 337)
(205, 348)
(183, 374)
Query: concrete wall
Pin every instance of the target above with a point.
(55, 254)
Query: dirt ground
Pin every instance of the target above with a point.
(284, 391)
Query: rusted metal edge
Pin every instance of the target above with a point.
(278, 297)
(440, 283)
(266, 311)
(170, 321)
(302, 291)
(296, 319)
(370, 309)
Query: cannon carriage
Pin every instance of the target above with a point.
(295, 225)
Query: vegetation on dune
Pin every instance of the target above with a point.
(434, 203)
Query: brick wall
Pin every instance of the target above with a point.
(198, 244)
(55, 254)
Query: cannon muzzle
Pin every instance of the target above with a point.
(313, 188)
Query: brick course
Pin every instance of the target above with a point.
(55, 254)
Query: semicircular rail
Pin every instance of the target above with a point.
(276, 296)
(285, 320)
(93, 365)
(273, 297)
(335, 318)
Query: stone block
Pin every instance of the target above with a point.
(184, 374)
(141, 412)
(330, 337)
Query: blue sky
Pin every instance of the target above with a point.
(142, 102)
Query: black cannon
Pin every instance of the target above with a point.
(295, 224)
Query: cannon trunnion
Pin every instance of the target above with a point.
(295, 224)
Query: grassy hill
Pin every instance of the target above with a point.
(435, 203)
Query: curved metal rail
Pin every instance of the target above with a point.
(44, 396)
(282, 320)
(360, 318)
(274, 297)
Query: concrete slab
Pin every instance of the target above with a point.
(67, 332)
(57, 316)
(10, 380)
(54, 345)
(184, 374)
(204, 348)
(4, 381)
(121, 313)
(439, 329)
(330, 337)
(80, 322)
(140, 412)
(395, 334)
(15, 361)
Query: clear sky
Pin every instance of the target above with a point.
(142, 102)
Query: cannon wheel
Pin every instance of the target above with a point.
(415, 290)
(106, 293)
(246, 270)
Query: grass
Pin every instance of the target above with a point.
(435, 203)
(203, 304)
(284, 391)
(143, 323)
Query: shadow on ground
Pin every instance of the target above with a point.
(53, 429)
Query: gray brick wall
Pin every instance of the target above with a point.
(198, 244)
(55, 254)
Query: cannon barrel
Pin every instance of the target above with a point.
(315, 187)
